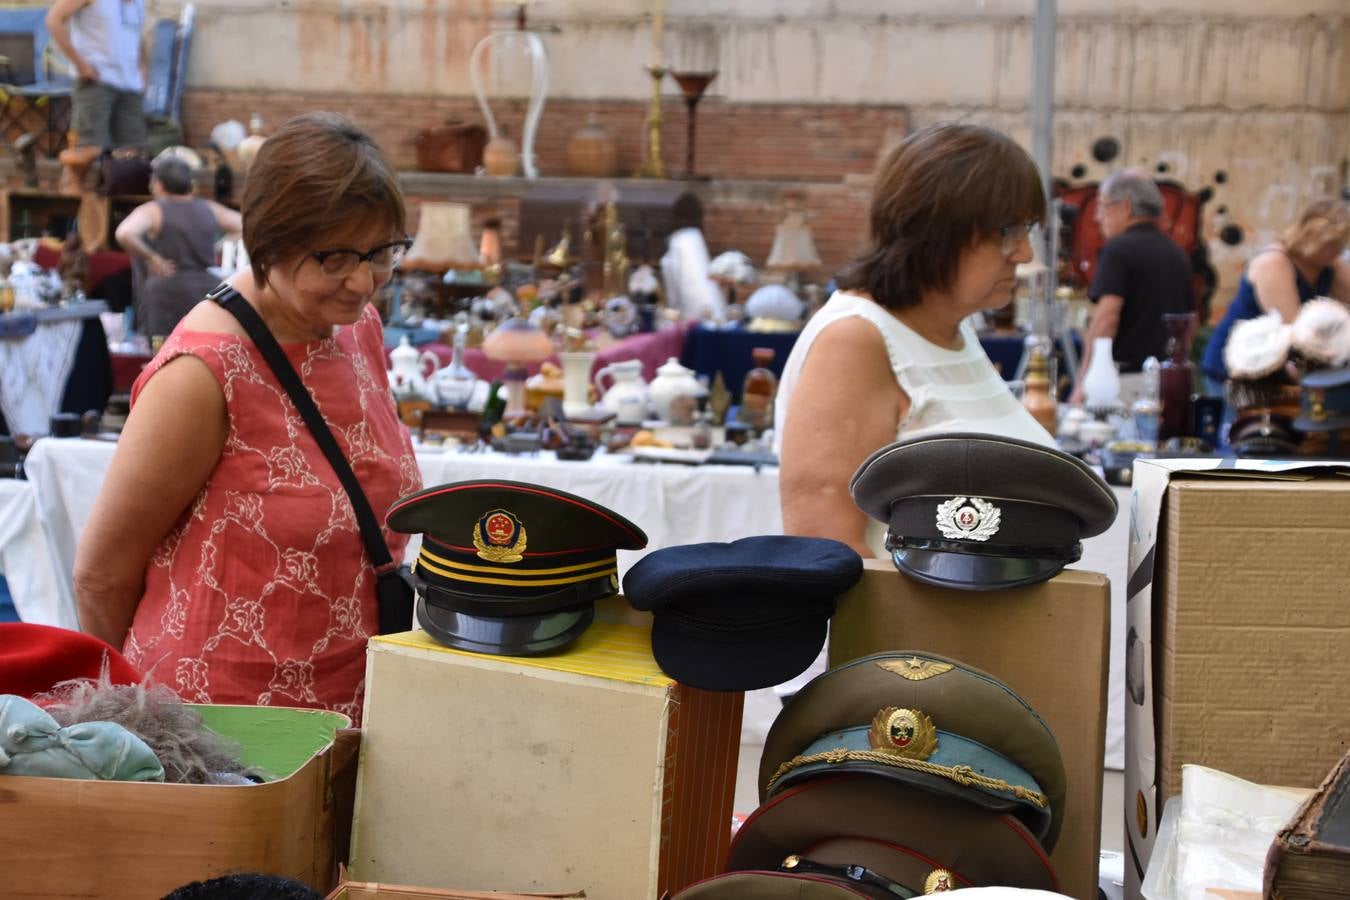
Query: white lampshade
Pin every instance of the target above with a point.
(443, 239)
(793, 245)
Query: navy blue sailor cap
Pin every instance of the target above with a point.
(981, 512)
(508, 567)
(742, 615)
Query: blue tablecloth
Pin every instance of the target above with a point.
(711, 350)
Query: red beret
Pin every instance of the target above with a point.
(33, 658)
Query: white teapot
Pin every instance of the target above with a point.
(409, 371)
(672, 380)
(626, 396)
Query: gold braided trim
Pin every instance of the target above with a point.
(962, 775)
(522, 579)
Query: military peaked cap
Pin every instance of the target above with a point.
(511, 568)
(1325, 401)
(981, 512)
(899, 832)
(926, 721)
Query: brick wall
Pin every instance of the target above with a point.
(753, 154)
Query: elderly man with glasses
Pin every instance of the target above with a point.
(1142, 274)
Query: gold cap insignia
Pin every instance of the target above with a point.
(915, 669)
(907, 733)
(968, 519)
(939, 881)
(1317, 399)
(791, 862)
(499, 537)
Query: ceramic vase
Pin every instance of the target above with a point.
(1101, 384)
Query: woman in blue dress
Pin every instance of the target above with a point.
(1306, 262)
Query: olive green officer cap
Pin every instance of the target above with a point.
(928, 721)
(982, 512)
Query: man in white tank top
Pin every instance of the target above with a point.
(103, 39)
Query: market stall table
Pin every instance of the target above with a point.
(53, 359)
(674, 504)
(25, 560)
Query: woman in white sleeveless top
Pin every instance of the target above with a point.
(892, 355)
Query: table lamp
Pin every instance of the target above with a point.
(794, 248)
(517, 342)
(443, 240)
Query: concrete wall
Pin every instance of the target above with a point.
(1257, 89)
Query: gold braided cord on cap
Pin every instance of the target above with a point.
(522, 578)
(962, 775)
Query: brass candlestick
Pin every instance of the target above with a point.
(654, 167)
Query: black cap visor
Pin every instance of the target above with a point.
(530, 635)
(974, 572)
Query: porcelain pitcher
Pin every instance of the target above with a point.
(409, 371)
(626, 395)
(672, 380)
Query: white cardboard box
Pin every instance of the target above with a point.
(589, 770)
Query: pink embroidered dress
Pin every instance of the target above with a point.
(262, 593)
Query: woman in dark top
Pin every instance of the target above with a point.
(1306, 262)
(175, 236)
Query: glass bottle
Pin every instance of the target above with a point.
(1147, 410)
(758, 391)
(1037, 396)
(1176, 377)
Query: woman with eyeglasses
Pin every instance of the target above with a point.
(893, 355)
(222, 553)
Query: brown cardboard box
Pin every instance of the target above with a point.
(1252, 624)
(137, 841)
(589, 769)
(1238, 639)
(1048, 642)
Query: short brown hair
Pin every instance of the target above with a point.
(1323, 222)
(939, 191)
(318, 173)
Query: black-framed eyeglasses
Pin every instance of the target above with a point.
(1013, 235)
(342, 261)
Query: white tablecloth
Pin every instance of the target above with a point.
(25, 558)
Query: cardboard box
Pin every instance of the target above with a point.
(1048, 642)
(1238, 643)
(131, 840)
(589, 770)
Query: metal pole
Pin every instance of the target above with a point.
(1042, 151)
(1043, 89)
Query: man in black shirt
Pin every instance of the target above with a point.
(1141, 275)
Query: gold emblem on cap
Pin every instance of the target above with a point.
(915, 669)
(791, 862)
(907, 733)
(499, 536)
(939, 881)
(1317, 399)
(968, 519)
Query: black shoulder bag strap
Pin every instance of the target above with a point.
(394, 592)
